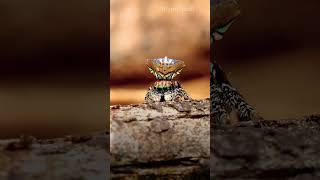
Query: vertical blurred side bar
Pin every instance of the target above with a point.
(211, 81)
(222, 15)
(108, 87)
(54, 69)
(212, 4)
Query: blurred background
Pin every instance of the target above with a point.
(53, 58)
(53, 67)
(148, 29)
(272, 55)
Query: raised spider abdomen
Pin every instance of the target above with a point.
(165, 88)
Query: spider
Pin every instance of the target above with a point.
(225, 99)
(165, 88)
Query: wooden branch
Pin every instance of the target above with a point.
(272, 150)
(160, 139)
(69, 158)
(171, 140)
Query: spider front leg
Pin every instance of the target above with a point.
(179, 93)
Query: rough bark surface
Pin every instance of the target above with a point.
(68, 158)
(171, 141)
(272, 150)
(160, 140)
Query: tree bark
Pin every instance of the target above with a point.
(68, 158)
(161, 140)
(270, 150)
(171, 140)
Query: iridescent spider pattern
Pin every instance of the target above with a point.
(165, 88)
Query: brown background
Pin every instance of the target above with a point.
(53, 67)
(148, 29)
(272, 54)
(53, 60)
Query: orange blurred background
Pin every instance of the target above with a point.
(142, 30)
